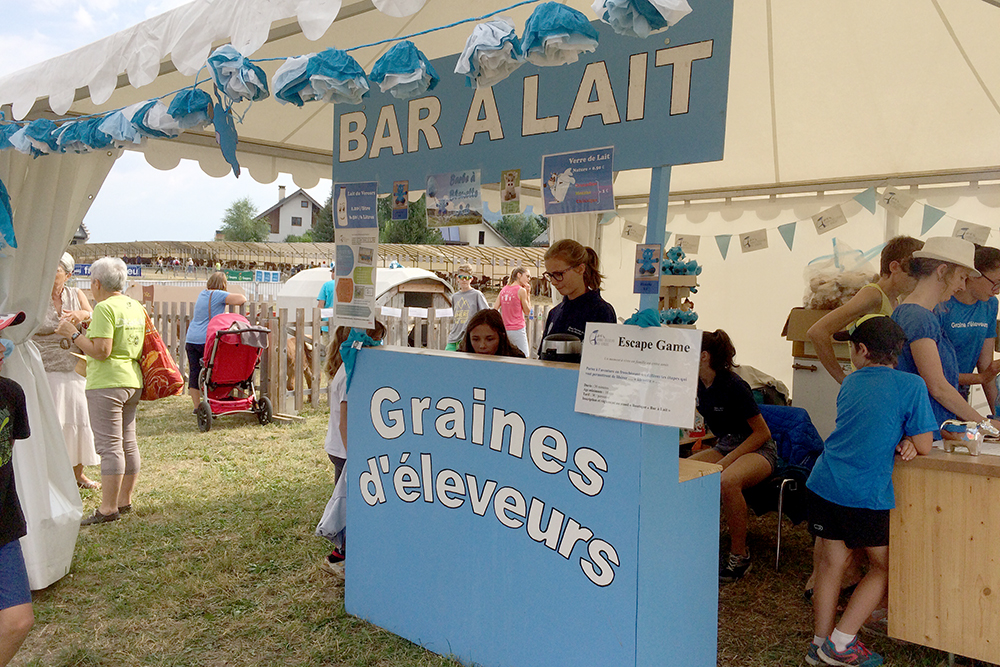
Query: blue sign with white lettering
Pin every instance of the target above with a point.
(657, 103)
(504, 528)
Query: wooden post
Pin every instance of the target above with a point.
(432, 338)
(300, 357)
(281, 379)
(318, 347)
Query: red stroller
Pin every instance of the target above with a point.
(232, 351)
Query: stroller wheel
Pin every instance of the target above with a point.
(264, 411)
(204, 416)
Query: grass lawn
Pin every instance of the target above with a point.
(217, 565)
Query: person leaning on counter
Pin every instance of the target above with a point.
(574, 270)
(881, 297)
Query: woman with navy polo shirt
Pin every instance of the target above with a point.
(969, 320)
(941, 268)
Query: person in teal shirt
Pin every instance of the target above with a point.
(327, 296)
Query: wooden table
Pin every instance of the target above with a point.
(944, 554)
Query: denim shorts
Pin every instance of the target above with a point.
(14, 589)
(769, 450)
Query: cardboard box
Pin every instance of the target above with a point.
(798, 323)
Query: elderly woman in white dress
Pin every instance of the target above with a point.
(69, 390)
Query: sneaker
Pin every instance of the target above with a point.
(855, 654)
(877, 623)
(812, 655)
(336, 556)
(734, 569)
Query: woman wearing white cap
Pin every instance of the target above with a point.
(941, 269)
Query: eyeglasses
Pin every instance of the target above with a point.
(461, 277)
(994, 284)
(557, 276)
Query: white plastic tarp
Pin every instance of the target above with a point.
(49, 198)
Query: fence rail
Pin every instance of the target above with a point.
(291, 370)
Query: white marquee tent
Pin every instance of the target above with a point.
(825, 100)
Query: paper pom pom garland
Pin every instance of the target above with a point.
(83, 136)
(491, 53)
(640, 18)
(404, 72)
(191, 108)
(556, 35)
(329, 76)
(235, 76)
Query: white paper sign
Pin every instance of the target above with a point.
(647, 375)
(417, 312)
(633, 231)
(756, 240)
(688, 242)
(392, 312)
(895, 201)
(444, 312)
(971, 232)
(829, 219)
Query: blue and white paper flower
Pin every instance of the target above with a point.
(152, 119)
(640, 18)
(404, 72)
(83, 136)
(191, 108)
(36, 138)
(491, 53)
(235, 76)
(555, 35)
(329, 76)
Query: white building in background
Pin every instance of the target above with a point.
(295, 214)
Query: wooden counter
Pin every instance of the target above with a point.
(944, 554)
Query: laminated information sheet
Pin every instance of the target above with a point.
(647, 375)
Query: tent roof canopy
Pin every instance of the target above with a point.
(848, 93)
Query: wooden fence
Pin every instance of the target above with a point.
(291, 370)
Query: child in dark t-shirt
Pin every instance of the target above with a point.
(15, 593)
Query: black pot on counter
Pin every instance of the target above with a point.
(561, 347)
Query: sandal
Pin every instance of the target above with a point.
(89, 484)
(97, 517)
(125, 509)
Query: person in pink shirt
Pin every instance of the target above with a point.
(514, 305)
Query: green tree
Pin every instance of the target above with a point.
(240, 222)
(323, 231)
(521, 229)
(412, 230)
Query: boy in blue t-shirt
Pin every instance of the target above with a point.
(880, 411)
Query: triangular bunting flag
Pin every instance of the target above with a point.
(788, 233)
(666, 239)
(867, 199)
(723, 241)
(931, 217)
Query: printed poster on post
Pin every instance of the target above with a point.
(455, 198)
(638, 374)
(510, 192)
(400, 200)
(647, 269)
(580, 182)
(356, 206)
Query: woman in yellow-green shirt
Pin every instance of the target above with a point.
(113, 344)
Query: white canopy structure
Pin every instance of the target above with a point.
(825, 100)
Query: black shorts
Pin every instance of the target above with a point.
(857, 527)
(194, 353)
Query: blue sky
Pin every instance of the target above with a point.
(137, 202)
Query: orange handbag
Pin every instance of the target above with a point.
(160, 377)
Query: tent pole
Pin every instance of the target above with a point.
(656, 221)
